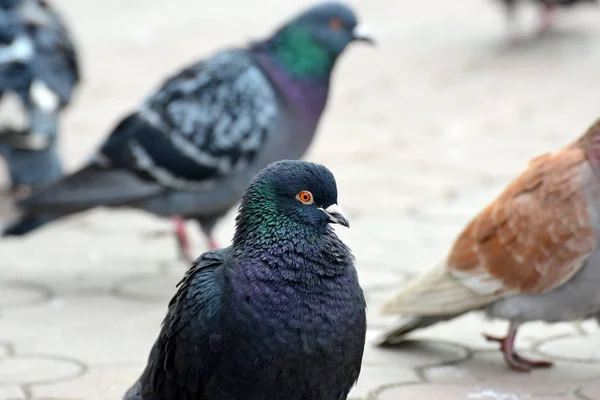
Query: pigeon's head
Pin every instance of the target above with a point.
(333, 26)
(287, 195)
(310, 43)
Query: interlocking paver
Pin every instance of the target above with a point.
(11, 392)
(111, 382)
(157, 288)
(535, 391)
(413, 354)
(468, 330)
(93, 329)
(375, 376)
(489, 368)
(14, 293)
(576, 348)
(37, 369)
(590, 391)
(420, 133)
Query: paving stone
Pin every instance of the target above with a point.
(21, 293)
(489, 368)
(94, 330)
(459, 208)
(537, 391)
(573, 348)
(36, 369)
(400, 245)
(414, 155)
(412, 354)
(68, 279)
(468, 330)
(373, 377)
(590, 391)
(376, 278)
(113, 380)
(11, 392)
(158, 288)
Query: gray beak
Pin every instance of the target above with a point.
(336, 215)
(362, 34)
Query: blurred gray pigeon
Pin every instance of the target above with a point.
(38, 74)
(278, 315)
(547, 10)
(532, 254)
(191, 148)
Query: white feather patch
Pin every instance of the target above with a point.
(43, 97)
(21, 49)
(13, 114)
(436, 292)
(481, 283)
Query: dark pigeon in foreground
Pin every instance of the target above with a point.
(278, 315)
(547, 10)
(191, 148)
(38, 73)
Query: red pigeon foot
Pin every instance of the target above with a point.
(515, 361)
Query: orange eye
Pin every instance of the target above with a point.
(336, 24)
(305, 197)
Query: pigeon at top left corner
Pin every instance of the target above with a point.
(39, 72)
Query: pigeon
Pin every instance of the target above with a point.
(39, 72)
(279, 314)
(529, 255)
(547, 10)
(192, 147)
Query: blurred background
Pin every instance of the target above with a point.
(421, 132)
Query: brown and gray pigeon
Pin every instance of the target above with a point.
(529, 255)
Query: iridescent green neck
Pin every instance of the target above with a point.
(298, 53)
(261, 222)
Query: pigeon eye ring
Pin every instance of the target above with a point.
(305, 197)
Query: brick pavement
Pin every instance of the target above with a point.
(421, 133)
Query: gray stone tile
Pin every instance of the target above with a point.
(490, 368)
(590, 391)
(19, 293)
(537, 391)
(413, 354)
(36, 369)
(158, 288)
(374, 377)
(584, 349)
(11, 392)
(111, 380)
(94, 330)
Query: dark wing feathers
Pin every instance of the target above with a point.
(183, 356)
(202, 124)
(210, 119)
(89, 187)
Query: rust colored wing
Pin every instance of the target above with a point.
(535, 236)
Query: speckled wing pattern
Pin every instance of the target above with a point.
(210, 119)
(55, 60)
(535, 236)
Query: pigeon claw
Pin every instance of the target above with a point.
(514, 360)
